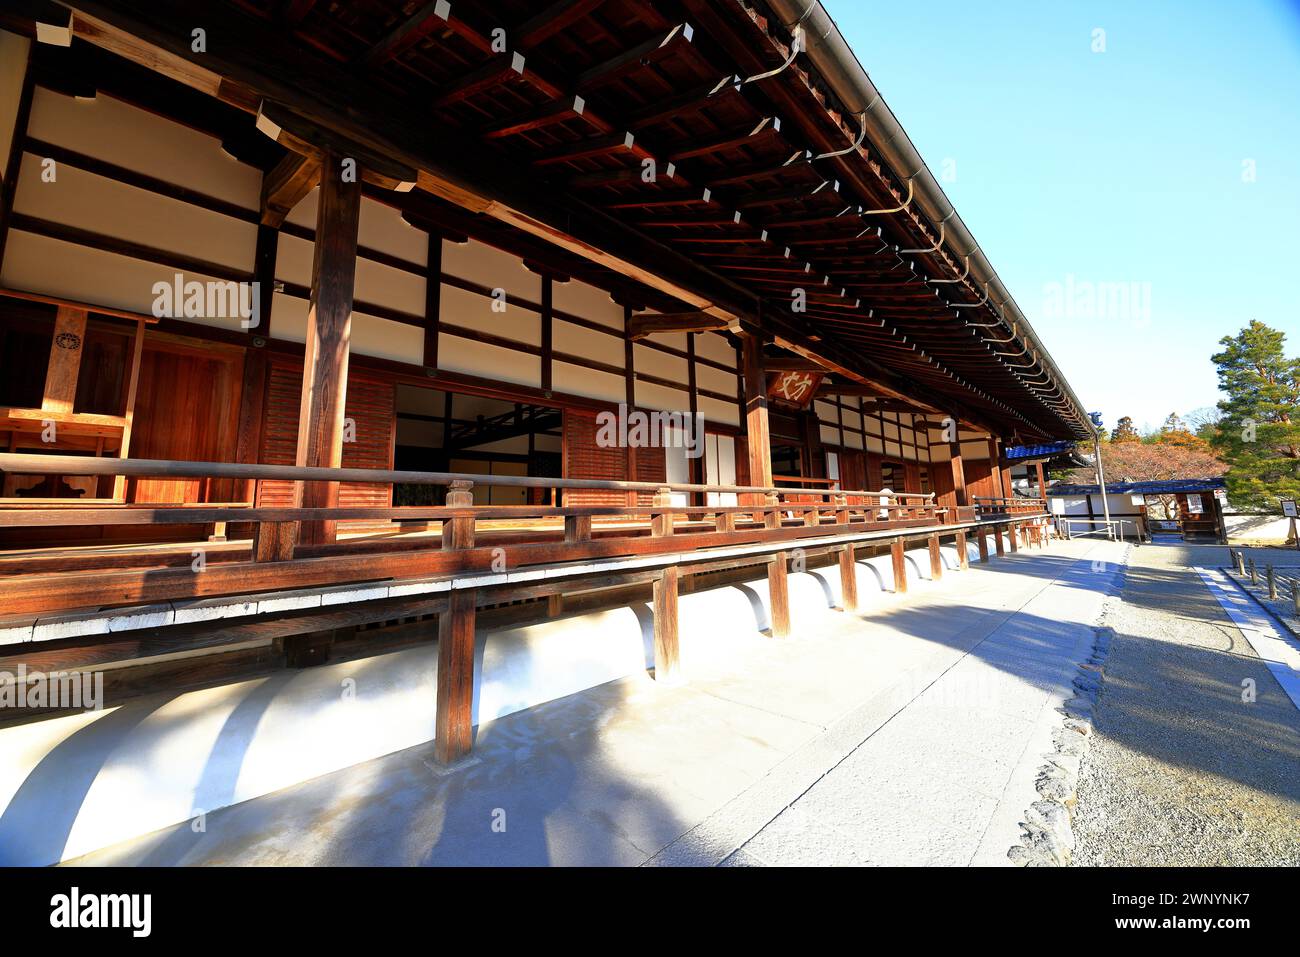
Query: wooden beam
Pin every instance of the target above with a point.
(849, 388)
(667, 654)
(634, 58)
(646, 324)
(794, 364)
(286, 185)
(551, 20)
(425, 20)
(329, 330)
(64, 364)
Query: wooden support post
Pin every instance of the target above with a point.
(936, 559)
(778, 587)
(453, 722)
(758, 435)
(1013, 532)
(848, 578)
(958, 473)
(274, 541)
(963, 560)
(998, 543)
(329, 331)
(1042, 480)
(554, 605)
(665, 616)
(900, 566)
(133, 387)
(65, 361)
(982, 543)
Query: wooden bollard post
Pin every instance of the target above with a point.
(1241, 562)
(453, 722)
(900, 566)
(667, 646)
(1254, 575)
(778, 583)
(1272, 583)
(1295, 595)
(936, 559)
(963, 560)
(849, 577)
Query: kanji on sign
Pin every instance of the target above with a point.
(793, 388)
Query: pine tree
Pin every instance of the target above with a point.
(1125, 431)
(1259, 436)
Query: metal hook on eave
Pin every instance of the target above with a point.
(862, 135)
(961, 278)
(968, 305)
(1002, 342)
(897, 209)
(796, 47)
(932, 249)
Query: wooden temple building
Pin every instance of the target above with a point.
(313, 297)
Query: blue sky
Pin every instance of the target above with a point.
(1128, 167)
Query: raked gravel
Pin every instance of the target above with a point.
(1183, 769)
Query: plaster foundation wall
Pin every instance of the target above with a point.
(73, 784)
(1256, 529)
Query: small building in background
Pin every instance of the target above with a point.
(1190, 508)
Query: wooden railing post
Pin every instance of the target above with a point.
(661, 523)
(841, 509)
(453, 723)
(963, 560)
(778, 583)
(936, 559)
(849, 577)
(900, 566)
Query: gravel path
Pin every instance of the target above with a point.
(1182, 770)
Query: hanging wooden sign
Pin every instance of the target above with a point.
(793, 388)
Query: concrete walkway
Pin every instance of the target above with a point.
(908, 734)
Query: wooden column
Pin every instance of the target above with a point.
(1042, 480)
(998, 543)
(982, 543)
(665, 615)
(1013, 532)
(963, 560)
(936, 558)
(848, 578)
(329, 330)
(995, 472)
(433, 300)
(453, 722)
(758, 435)
(65, 361)
(900, 566)
(958, 474)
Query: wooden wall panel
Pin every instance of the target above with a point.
(584, 458)
(187, 408)
(370, 404)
